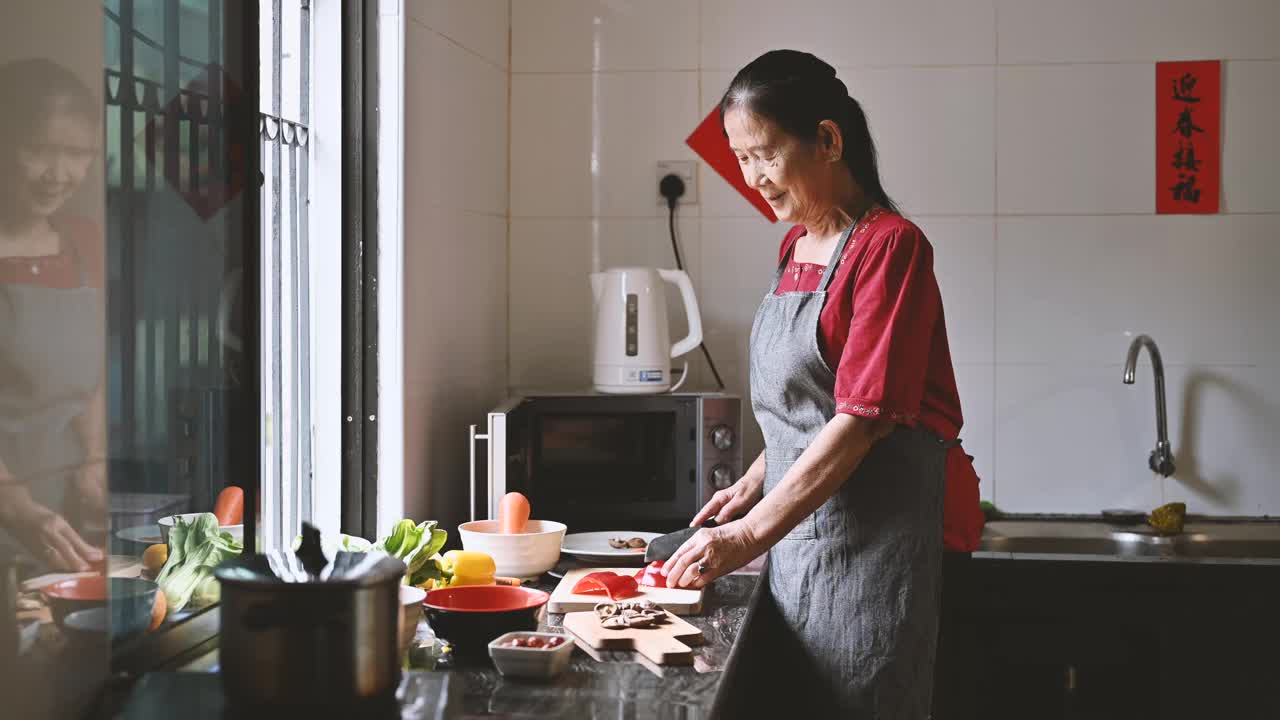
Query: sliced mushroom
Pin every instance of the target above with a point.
(636, 542)
(605, 610)
(618, 543)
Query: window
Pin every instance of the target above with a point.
(213, 271)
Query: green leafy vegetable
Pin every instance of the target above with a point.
(417, 544)
(195, 548)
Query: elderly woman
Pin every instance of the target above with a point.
(852, 385)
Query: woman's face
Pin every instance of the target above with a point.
(53, 161)
(796, 178)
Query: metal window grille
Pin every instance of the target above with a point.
(285, 135)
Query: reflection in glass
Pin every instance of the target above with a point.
(53, 429)
(176, 198)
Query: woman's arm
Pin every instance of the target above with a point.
(816, 476)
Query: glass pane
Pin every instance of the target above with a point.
(180, 373)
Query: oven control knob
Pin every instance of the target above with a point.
(722, 437)
(721, 477)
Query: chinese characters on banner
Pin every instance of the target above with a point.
(1188, 132)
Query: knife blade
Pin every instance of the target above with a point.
(664, 546)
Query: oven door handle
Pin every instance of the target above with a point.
(473, 436)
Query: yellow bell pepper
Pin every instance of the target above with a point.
(467, 567)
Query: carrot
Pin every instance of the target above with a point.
(158, 610)
(230, 506)
(513, 513)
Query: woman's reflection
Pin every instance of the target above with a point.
(52, 414)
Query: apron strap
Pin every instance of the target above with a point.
(835, 257)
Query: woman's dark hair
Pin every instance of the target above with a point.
(28, 86)
(796, 91)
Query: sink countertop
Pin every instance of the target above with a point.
(1197, 529)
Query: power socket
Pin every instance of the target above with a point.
(684, 169)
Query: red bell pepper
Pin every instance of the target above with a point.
(651, 575)
(608, 583)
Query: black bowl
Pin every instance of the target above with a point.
(468, 617)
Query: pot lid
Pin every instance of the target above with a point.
(309, 566)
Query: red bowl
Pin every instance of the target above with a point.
(87, 588)
(486, 598)
(471, 615)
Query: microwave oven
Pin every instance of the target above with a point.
(608, 462)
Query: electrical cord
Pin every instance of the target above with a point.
(672, 194)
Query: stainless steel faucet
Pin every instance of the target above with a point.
(1161, 459)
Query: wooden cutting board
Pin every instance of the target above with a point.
(680, 601)
(665, 644)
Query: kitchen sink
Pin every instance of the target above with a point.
(1245, 540)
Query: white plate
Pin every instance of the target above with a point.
(595, 545)
(141, 534)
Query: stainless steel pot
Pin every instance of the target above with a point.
(300, 633)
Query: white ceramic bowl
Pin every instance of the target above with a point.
(527, 555)
(166, 523)
(411, 599)
(527, 662)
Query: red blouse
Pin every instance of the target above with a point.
(79, 261)
(884, 306)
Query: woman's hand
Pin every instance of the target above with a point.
(712, 553)
(733, 501)
(45, 533)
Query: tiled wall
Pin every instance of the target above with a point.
(455, 236)
(1019, 135)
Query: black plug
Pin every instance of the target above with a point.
(672, 188)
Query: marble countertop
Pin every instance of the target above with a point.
(437, 686)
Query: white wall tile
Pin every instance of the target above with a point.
(1034, 31)
(843, 32)
(1076, 139)
(1075, 289)
(1073, 439)
(456, 126)
(588, 145)
(481, 26)
(586, 35)
(455, 347)
(964, 263)
(934, 132)
(551, 314)
(976, 384)
(1250, 146)
(1222, 425)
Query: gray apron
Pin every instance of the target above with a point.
(51, 362)
(847, 610)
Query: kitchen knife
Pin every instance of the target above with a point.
(664, 546)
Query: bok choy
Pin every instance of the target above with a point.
(195, 548)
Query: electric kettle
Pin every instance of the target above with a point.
(633, 350)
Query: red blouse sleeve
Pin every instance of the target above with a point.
(895, 305)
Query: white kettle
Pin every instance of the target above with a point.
(633, 349)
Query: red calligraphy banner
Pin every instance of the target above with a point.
(1188, 136)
